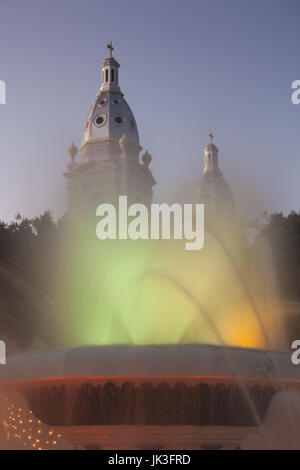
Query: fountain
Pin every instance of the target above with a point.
(83, 393)
(143, 375)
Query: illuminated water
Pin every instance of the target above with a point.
(156, 293)
(149, 292)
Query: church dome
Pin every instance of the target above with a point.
(110, 116)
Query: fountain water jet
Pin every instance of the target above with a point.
(281, 424)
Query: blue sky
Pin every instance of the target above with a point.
(186, 66)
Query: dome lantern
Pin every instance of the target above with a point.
(109, 67)
(211, 155)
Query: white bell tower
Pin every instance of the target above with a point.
(110, 163)
(212, 190)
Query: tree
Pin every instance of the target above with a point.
(284, 235)
(27, 254)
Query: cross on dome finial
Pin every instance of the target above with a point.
(110, 48)
(210, 135)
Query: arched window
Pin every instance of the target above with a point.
(112, 75)
(106, 75)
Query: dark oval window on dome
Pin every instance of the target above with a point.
(99, 120)
(118, 120)
(132, 124)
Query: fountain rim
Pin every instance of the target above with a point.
(152, 362)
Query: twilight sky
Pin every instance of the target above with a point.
(186, 67)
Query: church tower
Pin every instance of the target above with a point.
(213, 191)
(110, 163)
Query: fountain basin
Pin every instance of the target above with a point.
(149, 385)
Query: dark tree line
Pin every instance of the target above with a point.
(284, 235)
(28, 249)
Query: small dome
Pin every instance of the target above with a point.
(211, 148)
(110, 118)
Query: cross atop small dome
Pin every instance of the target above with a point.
(110, 48)
(110, 80)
